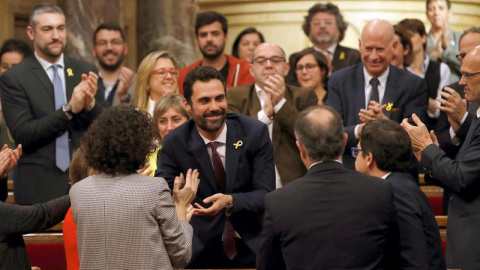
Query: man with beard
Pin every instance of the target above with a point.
(48, 101)
(115, 81)
(233, 155)
(325, 27)
(211, 30)
(277, 105)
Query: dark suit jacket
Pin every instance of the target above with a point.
(342, 57)
(29, 108)
(332, 218)
(250, 176)
(421, 245)
(244, 100)
(462, 177)
(346, 94)
(20, 219)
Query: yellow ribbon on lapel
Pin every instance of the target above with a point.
(69, 72)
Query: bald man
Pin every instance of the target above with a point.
(461, 175)
(374, 89)
(276, 104)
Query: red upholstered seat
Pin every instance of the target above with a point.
(49, 256)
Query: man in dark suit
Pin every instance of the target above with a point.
(461, 175)
(373, 89)
(276, 104)
(385, 151)
(48, 101)
(325, 27)
(332, 218)
(234, 158)
(456, 114)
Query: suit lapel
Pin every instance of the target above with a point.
(199, 150)
(254, 105)
(72, 77)
(390, 91)
(232, 155)
(359, 100)
(42, 76)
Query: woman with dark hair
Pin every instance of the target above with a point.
(126, 220)
(311, 70)
(246, 42)
(13, 52)
(403, 53)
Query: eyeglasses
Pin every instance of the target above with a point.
(263, 60)
(460, 56)
(161, 72)
(114, 42)
(469, 76)
(355, 151)
(308, 67)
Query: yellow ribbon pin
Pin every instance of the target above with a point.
(342, 56)
(238, 144)
(389, 106)
(69, 72)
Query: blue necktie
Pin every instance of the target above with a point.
(62, 152)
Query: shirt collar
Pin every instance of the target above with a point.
(386, 175)
(46, 65)
(318, 162)
(478, 113)
(222, 138)
(331, 49)
(382, 78)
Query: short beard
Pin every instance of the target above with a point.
(115, 66)
(215, 55)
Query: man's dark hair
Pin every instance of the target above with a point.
(43, 8)
(108, 26)
(449, 4)
(250, 30)
(209, 17)
(203, 74)
(327, 8)
(320, 131)
(389, 144)
(416, 26)
(15, 45)
(119, 140)
(471, 30)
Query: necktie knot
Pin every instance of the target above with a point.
(213, 146)
(374, 82)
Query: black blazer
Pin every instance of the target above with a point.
(461, 176)
(250, 176)
(29, 109)
(332, 218)
(346, 94)
(421, 245)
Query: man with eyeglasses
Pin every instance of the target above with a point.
(277, 105)
(456, 113)
(374, 89)
(461, 175)
(48, 100)
(385, 151)
(211, 30)
(325, 27)
(115, 81)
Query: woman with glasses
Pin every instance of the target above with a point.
(311, 69)
(157, 76)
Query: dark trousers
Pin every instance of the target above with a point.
(212, 257)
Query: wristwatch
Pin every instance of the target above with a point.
(68, 110)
